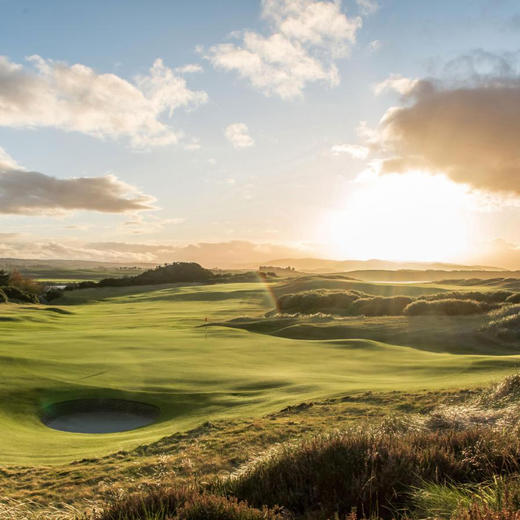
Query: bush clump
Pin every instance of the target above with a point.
(371, 473)
(381, 306)
(487, 297)
(169, 273)
(185, 504)
(445, 307)
(315, 301)
(24, 283)
(53, 294)
(17, 295)
(505, 322)
(3, 297)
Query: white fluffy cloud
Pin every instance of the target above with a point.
(238, 135)
(354, 150)
(6, 161)
(24, 192)
(76, 98)
(305, 39)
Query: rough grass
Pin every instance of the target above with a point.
(377, 471)
(184, 503)
(505, 322)
(371, 472)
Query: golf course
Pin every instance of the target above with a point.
(206, 352)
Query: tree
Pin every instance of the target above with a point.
(4, 277)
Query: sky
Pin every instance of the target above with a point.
(240, 131)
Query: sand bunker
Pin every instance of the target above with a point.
(99, 415)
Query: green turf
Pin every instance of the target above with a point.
(147, 343)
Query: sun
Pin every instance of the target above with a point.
(413, 216)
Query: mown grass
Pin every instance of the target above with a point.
(153, 344)
(150, 344)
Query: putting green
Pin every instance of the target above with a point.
(149, 344)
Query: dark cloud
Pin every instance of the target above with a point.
(32, 193)
(468, 132)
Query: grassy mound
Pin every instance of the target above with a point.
(342, 303)
(407, 469)
(505, 322)
(479, 296)
(445, 307)
(185, 503)
(352, 302)
(381, 475)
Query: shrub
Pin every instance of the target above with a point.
(487, 297)
(3, 297)
(381, 306)
(316, 301)
(373, 473)
(24, 283)
(17, 295)
(505, 322)
(514, 298)
(183, 504)
(447, 307)
(53, 294)
(4, 277)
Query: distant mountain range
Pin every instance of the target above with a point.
(368, 270)
(322, 265)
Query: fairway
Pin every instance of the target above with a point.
(150, 344)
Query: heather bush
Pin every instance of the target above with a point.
(372, 473)
(312, 302)
(184, 503)
(487, 297)
(505, 322)
(381, 306)
(446, 307)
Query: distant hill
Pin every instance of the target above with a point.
(321, 265)
(19, 263)
(71, 269)
(428, 275)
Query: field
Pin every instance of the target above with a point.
(152, 344)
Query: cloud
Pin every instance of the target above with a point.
(236, 253)
(397, 82)
(498, 253)
(189, 69)
(466, 129)
(238, 135)
(367, 7)
(354, 150)
(46, 93)
(7, 162)
(24, 192)
(374, 46)
(140, 225)
(306, 38)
